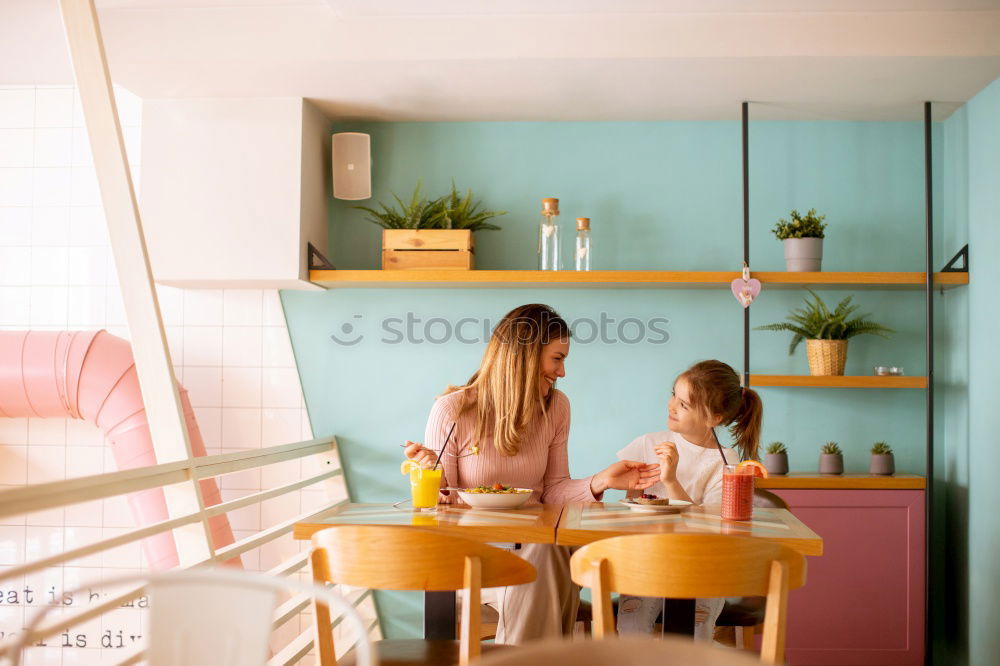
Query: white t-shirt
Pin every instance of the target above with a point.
(699, 469)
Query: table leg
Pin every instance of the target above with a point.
(439, 615)
(678, 616)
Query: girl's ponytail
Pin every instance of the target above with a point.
(745, 427)
(715, 387)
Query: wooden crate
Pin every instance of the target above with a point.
(427, 248)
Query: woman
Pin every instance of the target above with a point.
(512, 427)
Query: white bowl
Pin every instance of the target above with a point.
(496, 500)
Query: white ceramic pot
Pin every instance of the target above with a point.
(803, 254)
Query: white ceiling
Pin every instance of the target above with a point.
(535, 59)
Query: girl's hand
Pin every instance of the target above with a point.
(420, 455)
(667, 453)
(625, 475)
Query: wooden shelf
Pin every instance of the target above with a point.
(842, 381)
(433, 278)
(843, 481)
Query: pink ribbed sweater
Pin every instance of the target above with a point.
(541, 463)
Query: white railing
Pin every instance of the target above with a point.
(40, 497)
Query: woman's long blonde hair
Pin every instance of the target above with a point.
(507, 385)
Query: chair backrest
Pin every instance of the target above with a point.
(767, 499)
(216, 617)
(402, 558)
(688, 566)
(631, 651)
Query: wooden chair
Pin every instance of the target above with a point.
(403, 558)
(688, 566)
(625, 651)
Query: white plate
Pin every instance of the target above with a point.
(495, 500)
(675, 506)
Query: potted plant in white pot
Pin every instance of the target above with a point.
(826, 332)
(883, 463)
(776, 458)
(802, 237)
(430, 233)
(831, 459)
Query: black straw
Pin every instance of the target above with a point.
(446, 439)
(721, 452)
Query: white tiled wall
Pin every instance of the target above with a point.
(230, 349)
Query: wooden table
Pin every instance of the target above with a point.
(584, 523)
(532, 524)
(566, 525)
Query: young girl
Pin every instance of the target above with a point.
(706, 395)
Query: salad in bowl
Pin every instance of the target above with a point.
(497, 496)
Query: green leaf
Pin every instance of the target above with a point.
(809, 225)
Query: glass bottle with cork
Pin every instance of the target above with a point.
(582, 244)
(548, 236)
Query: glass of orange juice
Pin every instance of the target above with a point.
(424, 485)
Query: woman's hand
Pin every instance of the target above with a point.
(667, 453)
(625, 475)
(420, 455)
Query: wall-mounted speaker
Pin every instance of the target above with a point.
(352, 166)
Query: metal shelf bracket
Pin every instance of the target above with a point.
(963, 254)
(317, 262)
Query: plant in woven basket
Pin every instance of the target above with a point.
(831, 449)
(775, 448)
(809, 225)
(816, 321)
(881, 449)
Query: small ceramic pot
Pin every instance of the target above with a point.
(831, 463)
(882, 465)
(776, 463)
(803, 254)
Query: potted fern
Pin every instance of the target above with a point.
(826, 332)
(883, 463)
(803, 240)
(776, 458)
(831, 459)
(430, 233)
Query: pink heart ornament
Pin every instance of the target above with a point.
(745, 290)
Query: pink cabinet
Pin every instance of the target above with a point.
(863, 602)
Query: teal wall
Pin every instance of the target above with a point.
(662, 195)
(984, 418)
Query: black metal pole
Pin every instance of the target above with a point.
(929, 323)
(746, 237)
